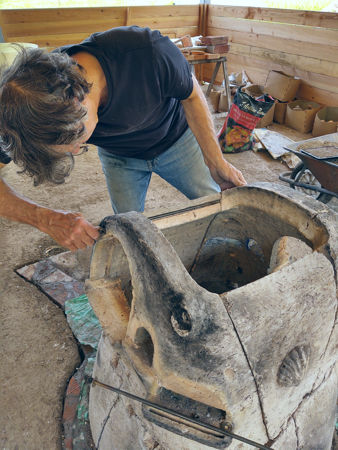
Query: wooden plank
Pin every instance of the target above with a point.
(326, 52)
(56, 40)
(324, 36)
(91, 26)
(177, 32)
(273, 142)
(50, 14)
(52, 41)
(295, 61)
(310, 18)
(168, 22)
(165, 11)
(315, 94)
(202, 208)
(58, 27)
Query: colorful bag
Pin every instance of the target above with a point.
(236, 134)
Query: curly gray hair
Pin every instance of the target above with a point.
(40, 98)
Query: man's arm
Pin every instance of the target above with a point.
(200, 121)
(70, 230)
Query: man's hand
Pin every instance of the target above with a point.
(71, 230)
(227, 176)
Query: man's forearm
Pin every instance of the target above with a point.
(200, 121)
(201, 124)
(16, 207)
(69, 229)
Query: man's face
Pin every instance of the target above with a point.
(89, 123)
(74, 147)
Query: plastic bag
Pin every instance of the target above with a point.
(236, 134)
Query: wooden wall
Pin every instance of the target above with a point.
(53, 27)
(299, 43)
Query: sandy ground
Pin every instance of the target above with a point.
(38, 351)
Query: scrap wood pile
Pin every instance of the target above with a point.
(203, 47)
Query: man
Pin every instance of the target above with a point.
(129, 91)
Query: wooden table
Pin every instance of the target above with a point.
(219, 61)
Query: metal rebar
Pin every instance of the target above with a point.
(177, 414)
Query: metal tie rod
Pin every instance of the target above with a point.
(177, 414)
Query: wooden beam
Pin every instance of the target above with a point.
(200, 19)
(128, 16)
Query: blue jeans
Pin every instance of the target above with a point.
(182, 165)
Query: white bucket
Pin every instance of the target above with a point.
(9, 50)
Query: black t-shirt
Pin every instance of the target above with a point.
(147, 76)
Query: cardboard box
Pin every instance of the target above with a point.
(218, 101)
(214, 100)
(255, 90)
(281, 86)
(223, 105)
(300, 115)
(326, 121)
(267, 119)
(279, 112)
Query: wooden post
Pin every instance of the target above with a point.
(128, 16)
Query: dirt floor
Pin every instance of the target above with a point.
(39, 353)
